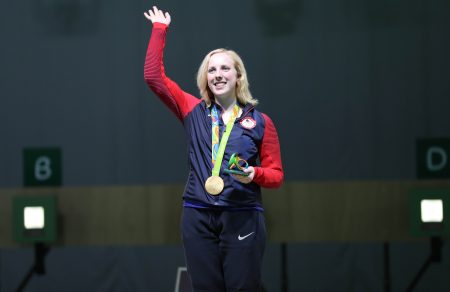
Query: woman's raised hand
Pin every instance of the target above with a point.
(157, 15)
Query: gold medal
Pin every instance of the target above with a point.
(214, 185)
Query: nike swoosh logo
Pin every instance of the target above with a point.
(245, 236)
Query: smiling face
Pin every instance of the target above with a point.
(222, 76)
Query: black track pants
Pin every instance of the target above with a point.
(224, 249)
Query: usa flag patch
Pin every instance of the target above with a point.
(248, 123)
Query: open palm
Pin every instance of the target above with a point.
(157, 15)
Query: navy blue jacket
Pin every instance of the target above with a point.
(253, 138)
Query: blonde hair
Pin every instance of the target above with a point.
(243, 94)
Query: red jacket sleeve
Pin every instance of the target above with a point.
(178, 101)
(270, 174)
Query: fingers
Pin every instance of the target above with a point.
(246, 179)
(168, 17)
(157, 12)
(243, 179)
(149, 15)
(157, 15)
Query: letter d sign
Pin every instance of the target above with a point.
(433, 158)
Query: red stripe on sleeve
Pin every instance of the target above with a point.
(270, 174)
(178, 101)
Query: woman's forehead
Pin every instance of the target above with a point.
(221, 58)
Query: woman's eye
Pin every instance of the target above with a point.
(211, 70)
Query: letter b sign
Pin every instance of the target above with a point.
(433, 158)
(42, 166)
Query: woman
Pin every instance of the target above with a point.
(223, 227)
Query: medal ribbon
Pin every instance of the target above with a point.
(219, 149)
